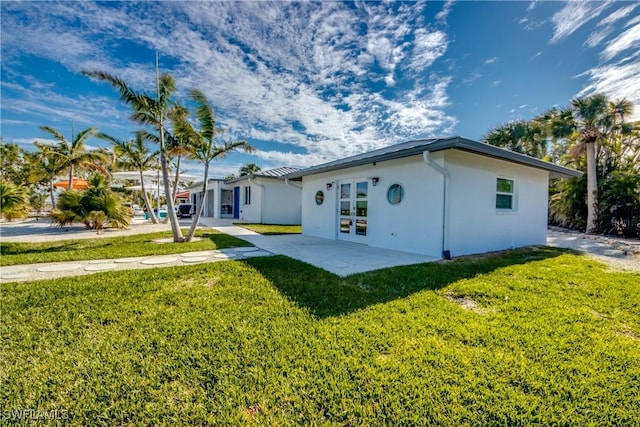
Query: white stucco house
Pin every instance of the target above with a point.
(263, 197)
(440, 197)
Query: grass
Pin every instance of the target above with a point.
(271, 229)
(553, 339)
(111, 247)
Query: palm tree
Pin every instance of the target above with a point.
(249, 169)
(519, 136)
(73, 153)
(152, 112)
(591, 114)
(560, 126)
(133, 154)
(179, 143)
(45, 167)
(205, 149)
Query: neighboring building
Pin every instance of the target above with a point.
(439, 197)
(262, 197)
(219, 201)
(266, 198)
(183, 197)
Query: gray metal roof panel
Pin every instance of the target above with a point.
(411, 148)
(270, 173)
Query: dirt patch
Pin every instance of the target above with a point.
(628, 332)
(465, 302)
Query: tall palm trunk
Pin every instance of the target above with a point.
(171, 213)
(194, 222)
(592, 187)
(52, 194)
(70, 186)
(176, 180)
(145, 198)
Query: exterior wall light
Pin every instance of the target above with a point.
(329, 185)
(375, 180)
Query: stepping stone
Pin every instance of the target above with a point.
(100, 267)
(225, 256)
(257, 253)
(165, 240)
(247, 249)
(98, 261)
(196, 254)
(15, 276)
(159, 260)
(12, 269)
(128, 260)
(170, 240)
(195, 259)
(59, 267)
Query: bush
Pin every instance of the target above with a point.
(14, 201)
(619, 204)
(95, 207)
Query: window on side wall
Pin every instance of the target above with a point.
(505, 194)
(247, 195)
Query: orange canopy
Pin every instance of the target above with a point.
(77, 183)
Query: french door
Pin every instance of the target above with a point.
(353, 210)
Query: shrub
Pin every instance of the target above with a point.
(95, 207)
(14, 203)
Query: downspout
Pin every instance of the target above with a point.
(262, 193)
(446, 252)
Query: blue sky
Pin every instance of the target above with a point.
(309, 82)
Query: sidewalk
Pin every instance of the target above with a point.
(52, 270)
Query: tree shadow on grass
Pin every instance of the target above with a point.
(325, 295)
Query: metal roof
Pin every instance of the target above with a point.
(412, 148)
(271, 173)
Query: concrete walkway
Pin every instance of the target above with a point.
(51, 270)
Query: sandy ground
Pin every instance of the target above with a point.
(618, 253)
(43, 230)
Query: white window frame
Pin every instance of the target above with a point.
(513, 193)
(247, 195)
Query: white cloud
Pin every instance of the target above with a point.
(629, 39)
(606, 26)
(617, 81)
(617, 15)
(445, 11)
(428, 46)
(490, 60)
(574, 15)
(303, 81)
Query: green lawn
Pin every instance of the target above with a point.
(271, 229)
(111, 247)
(554, 339)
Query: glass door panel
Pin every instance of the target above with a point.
(353, 210)
(345, 208)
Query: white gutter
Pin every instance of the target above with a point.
(252, 180)
(446, 252)
(291, 184)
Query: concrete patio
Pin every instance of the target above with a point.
(338, 257)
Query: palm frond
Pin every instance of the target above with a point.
(127, 94)
(57, 135)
